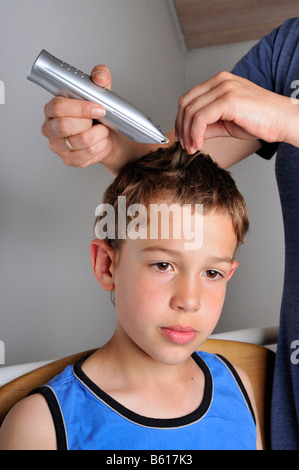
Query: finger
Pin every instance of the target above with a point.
(194, 94)
(178, 126)
(185, 104)
(193, 112)
(209, 122)
(101, 76)
(84, 140)
(66, 126)
(69, 107)
(82, 158)
(184, 101)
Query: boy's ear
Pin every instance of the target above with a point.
(234, 266)
(103, 259)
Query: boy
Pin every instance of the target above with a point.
(147, 388)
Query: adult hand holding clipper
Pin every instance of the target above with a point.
(118, 115)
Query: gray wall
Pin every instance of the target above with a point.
(50, 304)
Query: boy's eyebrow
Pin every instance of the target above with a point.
(149, 249)
(218, 259)
(213, 259)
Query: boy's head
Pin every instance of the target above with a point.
(168, 298)
(170, 175)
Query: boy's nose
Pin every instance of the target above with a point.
(186, 296)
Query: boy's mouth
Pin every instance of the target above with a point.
(179, 334)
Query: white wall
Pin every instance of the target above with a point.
(50, 304)
(254, 293)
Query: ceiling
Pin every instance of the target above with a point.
(202, 23)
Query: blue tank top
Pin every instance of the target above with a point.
(86, 418)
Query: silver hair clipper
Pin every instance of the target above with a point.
(61, 79)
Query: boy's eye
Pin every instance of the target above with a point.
(212, 274)
(163, 266)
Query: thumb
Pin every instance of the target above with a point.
(101, 76)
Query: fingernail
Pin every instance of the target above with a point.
(98, 112)
(100, 74)
(192, 148)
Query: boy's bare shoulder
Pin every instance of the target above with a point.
(244, 377)
(28, 426)
(249, 389)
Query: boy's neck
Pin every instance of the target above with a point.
(143, 384)
(127, 363)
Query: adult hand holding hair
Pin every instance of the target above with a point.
(227, 105)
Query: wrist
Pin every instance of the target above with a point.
(124, 150)
(292, 124)
(119, 153)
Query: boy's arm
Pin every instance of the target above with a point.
(28, 426)
(248, 386)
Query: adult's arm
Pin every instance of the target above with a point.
(99, 144)
(229, 116)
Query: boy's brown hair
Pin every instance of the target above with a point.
(171, 175)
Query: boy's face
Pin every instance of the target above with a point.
(169, 299)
